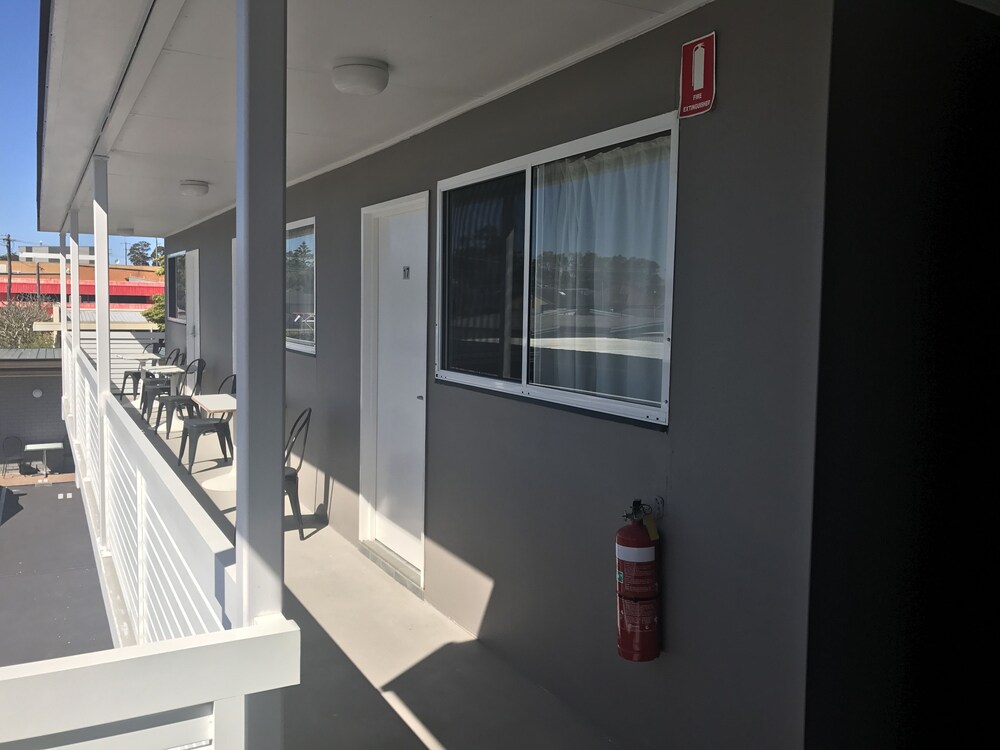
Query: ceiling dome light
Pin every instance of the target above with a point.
(360, 75)
(126, 231)
(194, 187)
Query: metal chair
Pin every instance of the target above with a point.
(181, 400)
(153, 384)
(198, 426)
(135, 375)
(13, 452)
(291, 478)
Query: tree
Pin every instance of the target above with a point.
(138, 253)
(157, 312)
(17, 319)
(299, 267)
(157, 257)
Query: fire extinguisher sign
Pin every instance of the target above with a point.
(698, 76)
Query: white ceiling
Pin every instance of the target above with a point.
(173, 116)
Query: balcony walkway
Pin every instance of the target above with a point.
(50, 593)
(380, 667)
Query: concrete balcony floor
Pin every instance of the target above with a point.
(380, 667)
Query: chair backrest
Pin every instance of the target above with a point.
(172, 358)
(150, 347)
(299, 429)
(13, 446)
(228, 385)
(196, 368)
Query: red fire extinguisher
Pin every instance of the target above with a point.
(638, 587)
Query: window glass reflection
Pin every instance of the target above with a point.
(599, 248)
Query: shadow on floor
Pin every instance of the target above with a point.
(459, 695)
(335, 705)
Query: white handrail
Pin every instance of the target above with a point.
(101, 692)
(176, 550)
(184, 684)
(172, 563)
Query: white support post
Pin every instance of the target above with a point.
(99, 166)
(74, 303)
(260, 300)
(63, 326)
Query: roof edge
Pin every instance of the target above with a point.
(44, 32)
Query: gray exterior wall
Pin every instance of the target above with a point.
(523, 499)
(34, 420)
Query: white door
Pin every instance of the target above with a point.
(193, 302)
(394, 380)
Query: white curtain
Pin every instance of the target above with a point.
(599, 244)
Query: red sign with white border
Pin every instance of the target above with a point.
(697, 76)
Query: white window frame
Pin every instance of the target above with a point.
(603, 404)
(294, 344)
(167, 288)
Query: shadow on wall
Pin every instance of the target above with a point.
(467, 697)
(466, 596)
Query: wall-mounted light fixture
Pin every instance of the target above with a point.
(193, 188)
(360, 75)
(37, 393)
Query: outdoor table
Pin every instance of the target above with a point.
(44, 448)
(173, 371)
(216, 403)
(143, 358)
(219, 404)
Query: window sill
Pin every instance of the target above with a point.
(594, 405)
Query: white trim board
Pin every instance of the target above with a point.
(369, 358)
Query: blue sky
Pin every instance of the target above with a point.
(18, 116)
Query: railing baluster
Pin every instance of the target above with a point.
(142, 573)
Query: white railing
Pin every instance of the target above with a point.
(86, 449)
(66, 361)
(172, 563)
(123, 345)
(183, 682)
(181, 693)
(170, 557)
